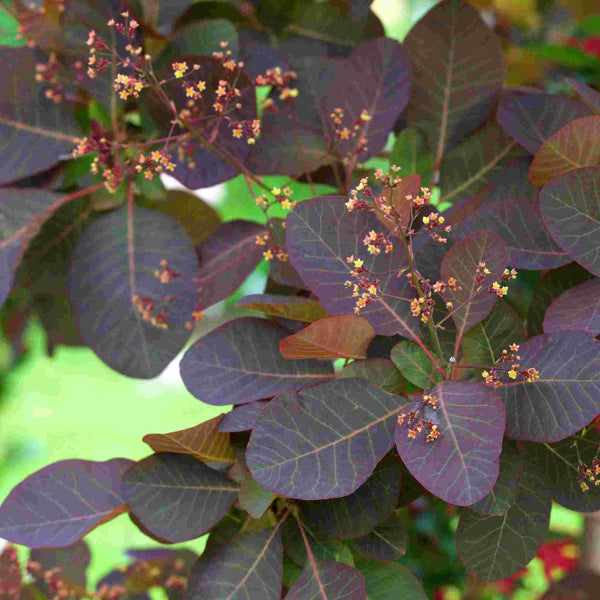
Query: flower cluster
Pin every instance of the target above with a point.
(509, 356)
(155, 163)
(280, 81)
(128, 86)
(586, 474)
(273, 251)
(249, 129)
(52, 579)
(375, 241)
(417, 421)
(146, 305)
(345, 133)
(196, 316)
(502, 290)
(224, 55)
(434, 220)
(365, 288)
(165, 274)
(48, 73)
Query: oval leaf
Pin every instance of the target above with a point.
(322, 442)
(461, 466)
(414, 364)
(571, 211)
(328, 581)
(59, 504)
(578, 309)
(347, 336)
(239, 362)
(242, 417)
(177, 497)
(567, 395)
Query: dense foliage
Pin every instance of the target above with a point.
(458, 282)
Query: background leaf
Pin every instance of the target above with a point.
(115, 259)
(577, 309)
(254, 499)
(461, 466)
(240, 361)
(59, 504)
(288, 307)
(388, 581)
(566, 396)
(388, 541)
(177, 497)
(379, 371)
(410, 152)
(493, 548)
(242, 417)
(322, 442)
(414, 364)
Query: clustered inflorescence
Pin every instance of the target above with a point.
(417, 422)
(509, 356)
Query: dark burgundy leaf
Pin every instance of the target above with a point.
(374, 501)
(410, 488)
(461, 466)
(559, 465)
(59, 504)
(567, 395)
(549, 287)
(240, 361)
(458, 70)
(531, 116)
(322, 442)
(177, 497)
(380, 372)
(501, 497)
(571, 211)
(282, 272)
(322, 234)
(494, 548)
(116, 260)
(288, 307)
(388, 541)
(35, 131)
(242, 417)
(250, 566)
(461, 262)
(589, 95)
(328, 581)
(390, 581)
(577, 309)
(226, 259)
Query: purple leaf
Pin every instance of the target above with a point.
(589, 95)
(240, 361)
(388, 541)
(35, 131)
(461, 262)
(461, 466)
(531, 116)
(328, 581)
(567, 395)
(242, 417)
(282, 272)
(116, 260)
(323, 442)
(458, 70)
(59, 504)
(322, 234)
(176, 497)
(250, 566)
(22, 213)
(576, 309)
(495, 547)
(226, 259)
(374, 501)
(571, 212)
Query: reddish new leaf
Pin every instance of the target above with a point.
(577, 309)
(462, 465)
(59, 504)
(287, 307)
(346, 336)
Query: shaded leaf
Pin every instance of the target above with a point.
(226, 258)
(35, 131)
(551, 286)
(390, 581)
(379, 371)
(322, 442)
(72, 560)
(288, 307)
(565, 398)
(571, 211)
(250, 566)
(531, 116)
(410, 488)
(573, 146)
(322, 544)
(461, 262)
(558, 464)
(588, 95)
(204, 442)
(493, 548)
(503, 494)
(372, 502)
(177, 497)
(388, 541)
(470, 166)
(414, 364)
(242, 417)
(461, 466)
(282, 271)
(240, 361)
(255, 499)
(322, 234)
(59, 504)
(328, 581)
(115, 260)
(346, 336)
(458, 70)
(576, 309)
(412, 154)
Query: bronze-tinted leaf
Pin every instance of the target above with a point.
(288, 307)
